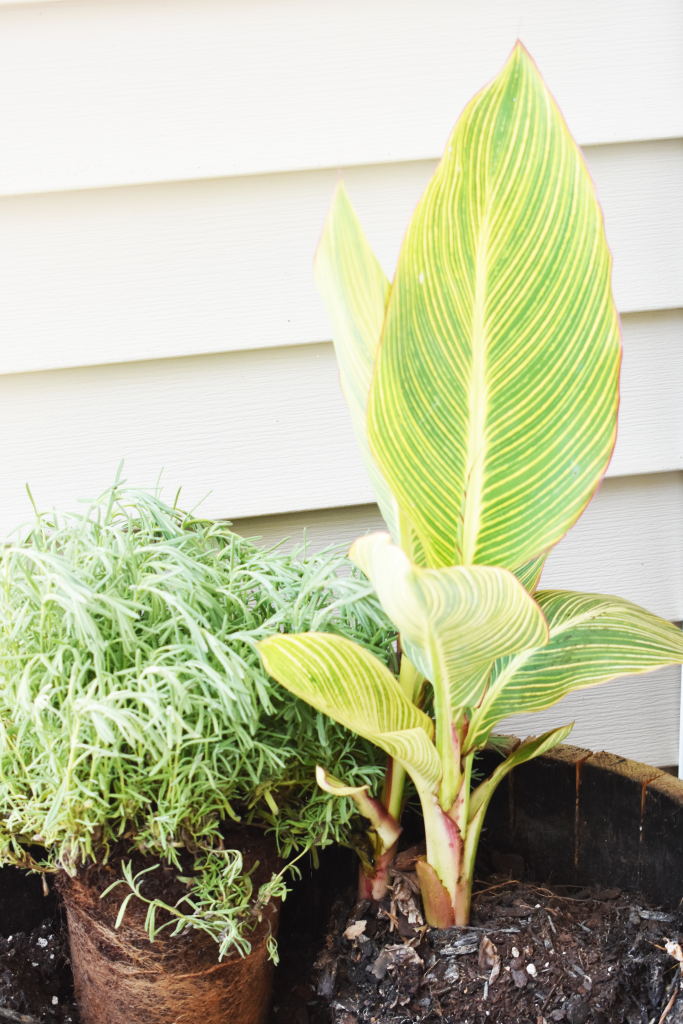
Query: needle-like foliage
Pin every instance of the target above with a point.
(133, 704)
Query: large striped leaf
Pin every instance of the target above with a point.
(492, 412)
(353, 687)
(592, 639)
(453, 622)
(355, 291)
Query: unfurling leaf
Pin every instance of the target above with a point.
(386, 827)
(454, 622)
(492, 411)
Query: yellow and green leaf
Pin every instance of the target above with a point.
(454, 622)
(352, 686)
(492, 412)
(593, 638)
(529, 574)
(355, 290)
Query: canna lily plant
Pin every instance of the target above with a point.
(483, 388)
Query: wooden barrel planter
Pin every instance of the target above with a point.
(571, 817)
(585, 818)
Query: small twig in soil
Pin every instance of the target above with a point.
(501, 885)
(16, 1018)
(550, 995)
(667, 1008)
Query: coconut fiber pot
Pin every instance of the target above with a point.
(122, 978)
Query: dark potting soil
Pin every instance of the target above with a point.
(532, 955)
(35, 977)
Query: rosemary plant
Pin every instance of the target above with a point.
(134, 707)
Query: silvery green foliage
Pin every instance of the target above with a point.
(133, 703)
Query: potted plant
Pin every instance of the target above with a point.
(145, 754)
(483, 387)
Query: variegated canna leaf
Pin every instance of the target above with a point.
(492, 411)
(355, 290)
(353, 687)
(593, 638)
(529, 574)
(453, 622)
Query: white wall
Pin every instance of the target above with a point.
(165, 170)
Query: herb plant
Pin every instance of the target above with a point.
(483, 388)
(134, 710)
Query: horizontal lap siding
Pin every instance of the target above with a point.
(262, 432)
(166, 167)
(633, 716)
(628, 541)
(111, 275)
(151, 90)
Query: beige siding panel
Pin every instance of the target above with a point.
(129, 91)
(114, 275)
(253, 432)
(650, 437)
(318, 528)
(634, 716)
(263, 432)
(628, 542)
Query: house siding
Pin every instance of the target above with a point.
(166, 169)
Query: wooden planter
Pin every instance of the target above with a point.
(584, 818)
(573, 816)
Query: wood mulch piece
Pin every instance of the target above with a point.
(532, 955)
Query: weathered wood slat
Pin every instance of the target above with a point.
(591, 819)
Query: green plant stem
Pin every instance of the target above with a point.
(448, 744)
(384, 814)
(447, 874)
(394, 785)
(373, 879)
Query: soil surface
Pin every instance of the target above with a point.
(532, 954)
(35, 977)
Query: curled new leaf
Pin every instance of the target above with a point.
(386, 826)
(454, 622)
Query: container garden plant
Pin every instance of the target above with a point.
(145, 754)
(483, 388)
